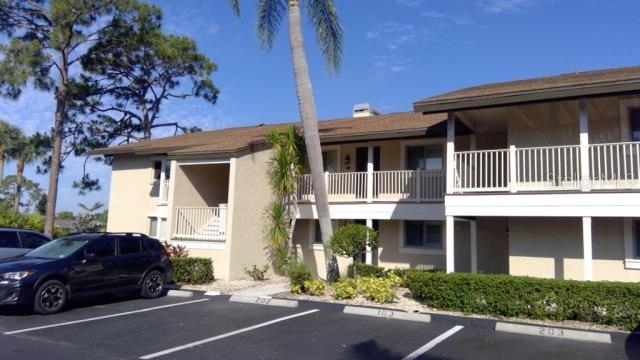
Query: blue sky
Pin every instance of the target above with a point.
(395, 52)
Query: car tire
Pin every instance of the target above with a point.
(51, 297)
(153, 285)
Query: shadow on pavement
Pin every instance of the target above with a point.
(371, 350)
(75, 303)
(632, 344)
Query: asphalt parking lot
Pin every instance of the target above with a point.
(203, 327)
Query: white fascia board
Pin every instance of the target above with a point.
(622, 204)
(377, 211)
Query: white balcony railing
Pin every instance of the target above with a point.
(411, 185)
(200, 223)
(550, 168)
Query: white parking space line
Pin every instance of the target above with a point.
(431, 344)
(102, 317)
(232, 333)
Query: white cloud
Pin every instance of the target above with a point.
(456, 19)
(386, 65)
(410, 3)
(213, 29)
(392, 35)
(505, 6)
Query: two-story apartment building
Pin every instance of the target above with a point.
(536, 177)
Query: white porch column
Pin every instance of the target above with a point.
(451, 136)
(369, 252)
(370, 174)
(473, 235)
(585, 183)
(450, 251)
(587, 248)
(161, 189)
(513, 170)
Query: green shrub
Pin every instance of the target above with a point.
(298, 274)
(376, 289)
(609, 303)
(192, 270)
(351, 240)
(257, 273)
(345, 289)
(366, 270)
(315, 287)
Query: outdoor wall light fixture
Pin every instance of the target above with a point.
(347, 160)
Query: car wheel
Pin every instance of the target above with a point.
(153, 285)
(50, 298)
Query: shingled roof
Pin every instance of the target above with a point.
(234, 140)
(572, 85)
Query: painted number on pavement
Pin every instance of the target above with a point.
(263, 300)
(385, 313)
(550, 331)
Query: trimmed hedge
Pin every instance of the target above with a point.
(192, 270)
(609, 303)
(366, 270)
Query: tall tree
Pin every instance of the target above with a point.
(130, 73)
(8, 135)
(46, 41)
(25, 150)
(324, 18)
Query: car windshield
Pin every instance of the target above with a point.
(58, 249)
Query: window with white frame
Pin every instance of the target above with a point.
(160, 166)
(157, 227)
(634, 124)
(423, 235)
(330, 160)
(425, 157)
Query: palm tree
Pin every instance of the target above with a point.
(24, 150)
(324, 18)
(284, 170)
(91, 208)
(8, 135)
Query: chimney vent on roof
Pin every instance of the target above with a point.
(363, 110)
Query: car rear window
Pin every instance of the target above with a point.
(153, 244)
(31, 240)
(9, 239)
(129, 245)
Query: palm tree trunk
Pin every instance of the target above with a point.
(52, 195)
(2, 155)
(309, 116)
(19, 182)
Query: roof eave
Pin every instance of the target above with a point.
(567, 92)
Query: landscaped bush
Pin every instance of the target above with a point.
(608, 303)
(298, 274)
(315, 287)
(192, 270)
(366, 270)
(376, 289)
(345, 289)
(257, 273)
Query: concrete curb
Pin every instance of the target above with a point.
(212, 293)
(264, 300)
(554, 332)
(180, 293)
(387, 313)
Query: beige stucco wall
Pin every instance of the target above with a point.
(201, 185)
(389, 254)
(130, 200)
(219, 259)
(552, 248)
(248, 198)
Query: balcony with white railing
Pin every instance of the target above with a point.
(549, 168)
(379, 186)
(200, 223)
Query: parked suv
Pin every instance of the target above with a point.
(14, 242)
(86, 264)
